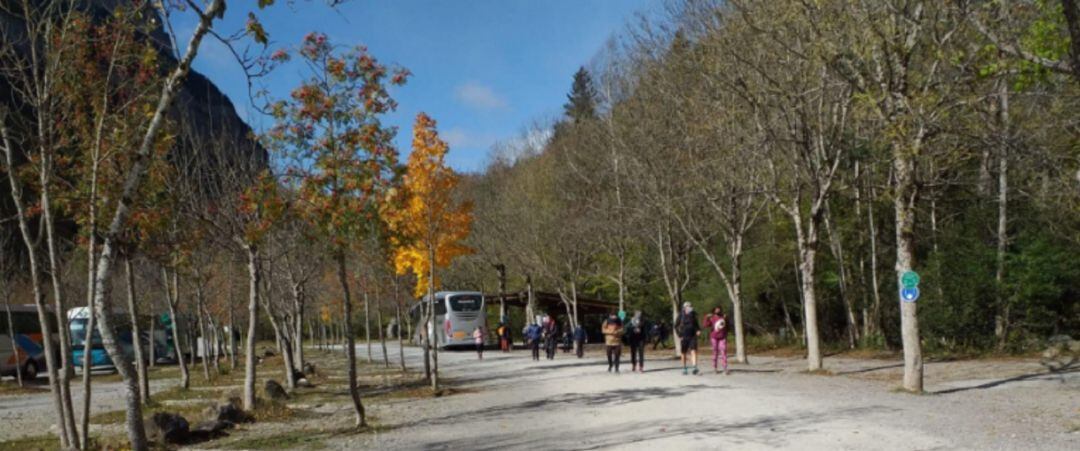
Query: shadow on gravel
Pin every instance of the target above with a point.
(767, 430)
(576, 364)
(1041, 375)
(747, 370)
(607, 398)
(876, 368)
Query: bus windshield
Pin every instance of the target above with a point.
(78, 333)
(466, 303)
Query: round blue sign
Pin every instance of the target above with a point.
(909, 294)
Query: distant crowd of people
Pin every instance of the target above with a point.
(618, 332)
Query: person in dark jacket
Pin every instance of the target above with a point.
(661, 335)
(579, 339)
(551, 337)
(689, 328)
(635, 337)
(533, 334)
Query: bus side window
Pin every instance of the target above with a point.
(25, 323)
(4, 322)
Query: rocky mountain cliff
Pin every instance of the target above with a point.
(200, 106)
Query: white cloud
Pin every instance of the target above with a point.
(479, 96)
(460, 138)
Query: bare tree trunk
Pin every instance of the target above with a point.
(55, 270)
(367, 326)
(837, 249)
(350, 352)
(202, 326)
(621, 279)
(382, 333)
(802, 301)
(736, 301)
(1001, 323)
(136, 333)
(132, 181)
(806, 240)
(215, 338)
(904, 204)
(87, 350)
(172, 291)
(231, 336)
(397, 311)
(253, 319)
(435, 334)
(153, 340)
(11, 335)
(876, 311)
(298, 328)
(530, 306)
(280, 326)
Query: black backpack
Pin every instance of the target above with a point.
(687, 324)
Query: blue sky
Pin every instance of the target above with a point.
(485, 70)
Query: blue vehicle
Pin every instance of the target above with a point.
(78, 319)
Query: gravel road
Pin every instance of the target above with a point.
(515, 403)
(34, 414)
(508, 401)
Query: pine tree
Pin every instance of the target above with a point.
(581, 103)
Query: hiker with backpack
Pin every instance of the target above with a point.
(688, 329)
(636, 338)
(716, 324)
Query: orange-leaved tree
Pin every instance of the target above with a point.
(339, 157)
(428, 224)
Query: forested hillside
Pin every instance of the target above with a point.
(790, 160)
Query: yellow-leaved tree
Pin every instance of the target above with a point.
(428, 225)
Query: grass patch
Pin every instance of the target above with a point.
(271, 411)
(188, 411)
(37, 442)
(300, 438)
(12, 388)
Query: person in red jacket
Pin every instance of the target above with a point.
(716, 324)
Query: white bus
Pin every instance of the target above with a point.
(28, 352)
(457, 314)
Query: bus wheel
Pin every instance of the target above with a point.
(30, 370)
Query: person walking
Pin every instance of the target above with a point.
(689, 329)
(507, 338)
(716, 324)
(635, 337)
(579, 340)
(500, 332)
(478, 337)
(613, 333)
(532, 338)
(661, 335)
(551, 337)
